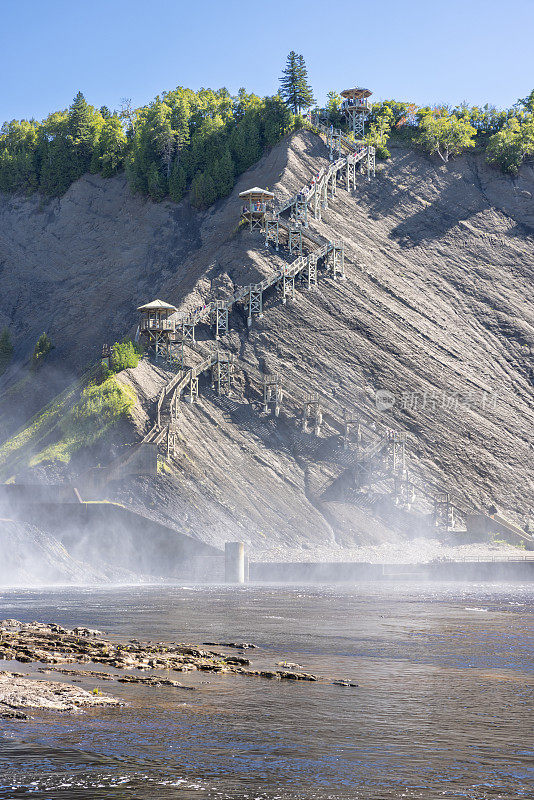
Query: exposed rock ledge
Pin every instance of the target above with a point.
(17, 691)
(50, 644)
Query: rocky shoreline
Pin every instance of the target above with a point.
(18, 691)
(51, 645)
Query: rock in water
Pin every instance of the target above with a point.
(17, 693)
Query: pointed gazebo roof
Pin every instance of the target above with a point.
(358, 93)
(157, 305)
(256, 192)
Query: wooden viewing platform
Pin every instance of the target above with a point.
(356, 108)
(156, 326)
(257, 202)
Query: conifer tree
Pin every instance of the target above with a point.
(81, 135)
(41, 350)
(223, 174)
(277, 120)
(202, 190)
(157, 185)
(295, 88)
(306, 98)
(177, 182)
(109, 152)
(55, 154)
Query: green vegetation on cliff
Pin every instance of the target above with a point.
(181, 140)
(100, 406)
(42, 348)
(507, 136)
(124, 355)
(75, 419)
(202, 141)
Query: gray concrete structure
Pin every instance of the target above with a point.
(234, 562)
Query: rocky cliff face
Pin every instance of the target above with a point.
(436, 309)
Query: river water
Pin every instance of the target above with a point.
(443, 707)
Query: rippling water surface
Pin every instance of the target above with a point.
(443, 707)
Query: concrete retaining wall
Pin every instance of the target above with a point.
(116, 535)
(307, 572)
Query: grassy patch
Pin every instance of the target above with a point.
(74, 419)
(35, 431)
(98, 409)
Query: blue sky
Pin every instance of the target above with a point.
(407, 49)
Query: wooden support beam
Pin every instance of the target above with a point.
(221, 373)
(188, 331)
(311, 271)
(288, 285)
(175, 353)
(220, 318)
(272, 231)
(193, 389)
(272, 393)
(312, 413)
(254, 302)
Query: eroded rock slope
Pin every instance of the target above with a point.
(437, 309)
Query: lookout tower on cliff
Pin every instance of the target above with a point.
(356, 107)
(256, 204)
(156, 327)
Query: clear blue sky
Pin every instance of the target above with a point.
(475, 50)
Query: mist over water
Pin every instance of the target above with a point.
(442, 709)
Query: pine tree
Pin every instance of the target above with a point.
(157, 185)
(277, 120)
(223, 175)
(177, 181)
(245, 144)
(306, 98)
(108, 155)
(55, 155)
(202, 190)
(41, 350)
(180, 124)
(82, 135)
(163, 136)
(289, 81)
(295, 88)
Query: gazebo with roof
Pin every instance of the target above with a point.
(356, 107)
(156, 326)
(256, 204)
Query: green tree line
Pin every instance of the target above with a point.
(199, 142)
(183, 140)
(506, 136)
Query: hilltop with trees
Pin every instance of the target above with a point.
(200, 142)
(183, 140)
(506, 136)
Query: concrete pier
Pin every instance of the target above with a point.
(234, 562)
